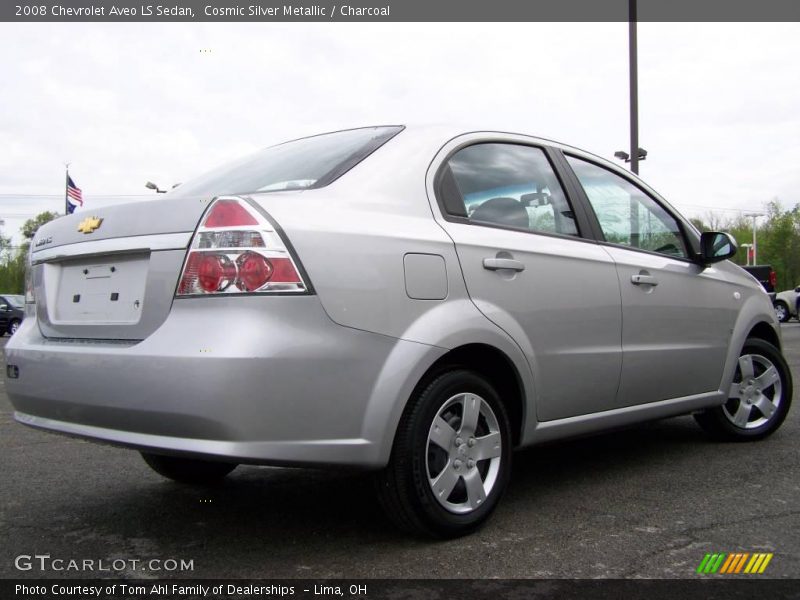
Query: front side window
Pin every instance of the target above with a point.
(509, 185)
(627, 215)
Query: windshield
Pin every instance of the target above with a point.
(310, 162)
(18, 301)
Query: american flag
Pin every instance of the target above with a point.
(74, 195)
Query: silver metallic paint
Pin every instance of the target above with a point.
(324, 379)
(243, 373)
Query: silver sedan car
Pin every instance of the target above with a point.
(418, 301)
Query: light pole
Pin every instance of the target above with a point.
(755, 248)
(634, 87)
(636, 154)
(747, 256)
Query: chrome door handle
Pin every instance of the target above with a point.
(644, 280)
(493, 264)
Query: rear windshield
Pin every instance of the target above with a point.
(310, 162)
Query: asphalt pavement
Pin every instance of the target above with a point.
(649, 501)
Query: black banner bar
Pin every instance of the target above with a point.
(708, 588)
(395, 10)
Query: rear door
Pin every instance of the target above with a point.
(530, 271)
(677, 315)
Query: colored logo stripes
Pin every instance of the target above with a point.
(737, 562)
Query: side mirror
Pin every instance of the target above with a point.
(797, 290)
(716, 246)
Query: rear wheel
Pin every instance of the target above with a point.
(782, 311)
(13, 326)
(187, 470)
(451, 458)
(758, 399)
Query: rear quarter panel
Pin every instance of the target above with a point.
(352, 237)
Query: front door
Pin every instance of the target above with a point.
(677, 315)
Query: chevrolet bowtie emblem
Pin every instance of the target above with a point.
(89, 224)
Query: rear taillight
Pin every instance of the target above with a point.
(236, 250)
(229, 213)
(773, 280)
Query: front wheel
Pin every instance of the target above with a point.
(451, 458)
(187, 470)
(782, 311)
(759, 397)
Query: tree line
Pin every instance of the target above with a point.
(14, 258)
(777, 239)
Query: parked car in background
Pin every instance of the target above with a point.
(418, 301)
(766, 276)
(12, 312)
(786, 304)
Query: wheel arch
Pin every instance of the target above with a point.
(384, 415)
(494, 365)
(764, 331)
(756, 319)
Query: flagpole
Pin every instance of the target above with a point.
(66, 189)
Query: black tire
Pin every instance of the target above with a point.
(782, 311)
(405, 486)
(13, 326)
(719, 421)
(188, 470)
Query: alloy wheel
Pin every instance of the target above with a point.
(755, 394)
(464, 451)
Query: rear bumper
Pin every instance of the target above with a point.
(352, 452)
(268, 380)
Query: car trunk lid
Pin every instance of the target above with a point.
(111, 273)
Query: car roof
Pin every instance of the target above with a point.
(443, 132)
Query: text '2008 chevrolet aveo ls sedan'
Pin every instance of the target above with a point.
(416, 301)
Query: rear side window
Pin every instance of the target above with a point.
(507, 185)
(310, 162)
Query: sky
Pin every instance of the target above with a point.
(128, 103)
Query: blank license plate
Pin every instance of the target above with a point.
(107, 290)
